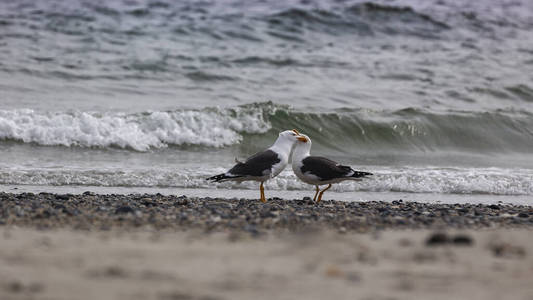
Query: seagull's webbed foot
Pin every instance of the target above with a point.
(322, 193)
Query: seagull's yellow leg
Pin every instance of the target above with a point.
(262, 189)
(322, 193)
(316, 194)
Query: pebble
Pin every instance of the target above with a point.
(124, 210)
(462, 240)
(437, 239)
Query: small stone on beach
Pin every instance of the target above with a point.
(438, 239)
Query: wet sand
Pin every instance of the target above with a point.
(165, 247)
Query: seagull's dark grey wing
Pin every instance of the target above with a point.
(256, 165)
(326, 169)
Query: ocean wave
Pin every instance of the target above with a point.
(413, 130)
(212, 127)
(363, 18)
(408, 130)
(489, 181)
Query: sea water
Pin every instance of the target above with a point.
(433, 97)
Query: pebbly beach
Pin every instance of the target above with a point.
(90, 211)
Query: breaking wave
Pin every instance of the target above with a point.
(256, 125)
(212, 127)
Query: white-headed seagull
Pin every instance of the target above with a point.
(262, 165)
(318, 170)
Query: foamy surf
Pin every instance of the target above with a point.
(213, 127)
(467, 181)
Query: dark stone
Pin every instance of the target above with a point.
(63, 197)
(124, 210)
(523, 215)
(494, 206)
(438, 239)
(88, 193)
(462, 240)
(463, 210)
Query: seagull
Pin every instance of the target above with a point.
(318, 170)
(262, 165)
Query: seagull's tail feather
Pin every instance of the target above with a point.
(221, 177)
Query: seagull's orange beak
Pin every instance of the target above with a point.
(302, 139)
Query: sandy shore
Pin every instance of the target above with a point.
(164, 247)
(65, 264)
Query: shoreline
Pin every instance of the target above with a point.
(245, 193)
(90, 211)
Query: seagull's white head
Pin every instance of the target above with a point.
(290, 135)
(302, 147)
(286, 140)
(303, 139)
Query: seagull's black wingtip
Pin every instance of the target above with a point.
(217, 178)
(359, 174)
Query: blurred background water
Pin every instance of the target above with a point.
(433, 96)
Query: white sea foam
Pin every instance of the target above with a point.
(209, 127)
(490, 181)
